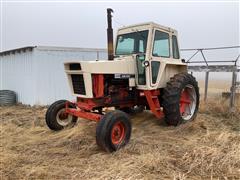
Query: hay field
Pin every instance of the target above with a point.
(207, 148)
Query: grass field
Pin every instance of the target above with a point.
(207, 148)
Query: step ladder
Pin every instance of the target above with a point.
(153, 102)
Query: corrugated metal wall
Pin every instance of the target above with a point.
(1, 72)
(38, 76)
(17, 75)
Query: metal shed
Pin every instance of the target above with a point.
(36, 73)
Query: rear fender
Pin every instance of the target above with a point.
(168, 71)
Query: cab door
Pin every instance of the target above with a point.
(160, 51)
(141, 70)
(140, 67)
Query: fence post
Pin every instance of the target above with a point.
(233, 89)
(97, 55)
(206, 85)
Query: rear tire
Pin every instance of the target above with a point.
(113, 131)
(180, 99)
(56, 118)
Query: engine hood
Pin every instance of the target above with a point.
(121, 65)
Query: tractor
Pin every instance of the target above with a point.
(144, 71)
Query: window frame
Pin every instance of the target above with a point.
(142, 68)
(178, 53)
(169, 46)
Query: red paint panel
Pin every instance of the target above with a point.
(184, 101)
(82, 114)
(98, 85)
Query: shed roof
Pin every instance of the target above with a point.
(17, 50)
(50, 48)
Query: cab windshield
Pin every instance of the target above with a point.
(132, 43)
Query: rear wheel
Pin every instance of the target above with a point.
(113, 131)
(57, 118)
(180, 99)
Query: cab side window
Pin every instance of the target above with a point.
(155, 68)
(175, 47)
(161, 44)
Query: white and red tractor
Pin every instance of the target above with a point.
(143, 72)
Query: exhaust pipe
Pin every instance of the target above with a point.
(110, 34)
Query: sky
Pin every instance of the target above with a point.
(199, 25)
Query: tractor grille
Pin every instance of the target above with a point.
(78, 84)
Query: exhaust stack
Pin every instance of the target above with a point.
(110, 34)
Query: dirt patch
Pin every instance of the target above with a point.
(204, 149)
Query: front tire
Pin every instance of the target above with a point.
(57, 118)
(113, 131)
(180, 99)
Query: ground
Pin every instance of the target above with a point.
(203, 149)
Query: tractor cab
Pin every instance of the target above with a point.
(153, 47)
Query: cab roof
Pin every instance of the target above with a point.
(148, 25)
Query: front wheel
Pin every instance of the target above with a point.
(57, 118)
(180, 99)
(113, 131)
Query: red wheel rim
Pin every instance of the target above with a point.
(184, 101)
(63, 115)
(118, 133)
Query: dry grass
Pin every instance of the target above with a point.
(207, 148)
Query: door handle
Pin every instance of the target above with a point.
(145, 63)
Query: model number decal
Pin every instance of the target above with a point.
(124, 76)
